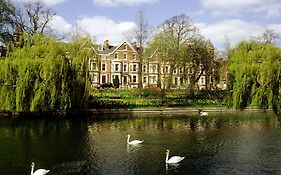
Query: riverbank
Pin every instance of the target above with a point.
(152, 110)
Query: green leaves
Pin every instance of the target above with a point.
(45, 75)
(255, 68)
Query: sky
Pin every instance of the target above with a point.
(217, 20)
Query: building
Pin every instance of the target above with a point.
(115, 63)
(121, 63)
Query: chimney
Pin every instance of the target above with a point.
(106, 44)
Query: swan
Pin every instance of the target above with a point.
(134, 142)
(174, 159)
(39, 171)
(202, 114)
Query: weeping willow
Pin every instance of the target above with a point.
(45, 75)
(255, 76)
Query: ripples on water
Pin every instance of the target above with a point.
(217, 144)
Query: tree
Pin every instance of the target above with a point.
(7, 21)
(255, 76)
(35, 17)
(269, 36)
(200, 60)
(140, 33)
(172, 38)
(45, 75)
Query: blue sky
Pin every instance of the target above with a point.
(217, 19)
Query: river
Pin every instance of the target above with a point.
(221, 143)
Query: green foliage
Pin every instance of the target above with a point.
(45, 75)
(134, 98)
(254, 71)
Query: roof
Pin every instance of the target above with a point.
(106, 51)
(111, 49)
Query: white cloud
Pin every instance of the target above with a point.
(231, 5)
(99, 27)
(104, 28)
(236, 30)
(112, 3)
(270, 7)
(60, 26)
(47, 2)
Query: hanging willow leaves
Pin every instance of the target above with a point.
(45, 75)
(255, 71)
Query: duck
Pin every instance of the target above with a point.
(39, 171)
(134, 142)
(202, 114)
(174, 159)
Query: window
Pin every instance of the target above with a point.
(181, 70)
(116, 67)
(166, 69)
(176, 81)
(103, 79)
(144, 79)
(94, 78)
(153, 68)
(144, 68)
(181, 81)
(175, 70)
(125, 79)
(202, 80)
(134, 67)
(93, 65)
(154, 80)
(134, 79)
(125, 56)
(103, 67)
(134, 56)
(125, 68)
(116, 55)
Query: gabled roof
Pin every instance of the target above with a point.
(127, 44)
(113, 49)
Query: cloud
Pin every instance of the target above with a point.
(113, 3)
(99, 27)
(235, 30)
(272, 8)
(60, 26)
(47, 2)
(104, 28)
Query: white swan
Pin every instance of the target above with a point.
(174, 159)
(134, 142)
(202, 114)
(39, 171)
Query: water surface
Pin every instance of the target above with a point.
(240, 143)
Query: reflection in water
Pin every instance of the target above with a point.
(217, 144)
(133, 148)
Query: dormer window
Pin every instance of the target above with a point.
(116, 55)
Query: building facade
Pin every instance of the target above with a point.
(121, 63)
(113, 63)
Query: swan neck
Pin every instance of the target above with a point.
(167, 157)
(32, 169)
(128, 139)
